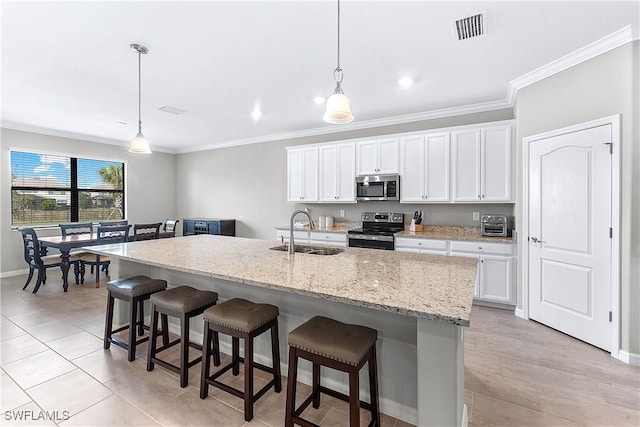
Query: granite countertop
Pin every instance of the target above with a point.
(431, 287)
(450, 232)
(338, 227)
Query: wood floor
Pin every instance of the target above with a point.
(518, 373)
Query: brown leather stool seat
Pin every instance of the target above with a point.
(337, 345)
(136, 290)
(183, 302)
(244, 319)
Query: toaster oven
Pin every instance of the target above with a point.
(494, 225)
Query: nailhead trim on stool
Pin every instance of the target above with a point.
(337, 345)
(183, 302)
(244, 319)
(136, 290)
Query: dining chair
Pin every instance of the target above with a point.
(75, 228)
(169, 227)
(105, 236)
(113, 223)
(33, 255)
(146, 231)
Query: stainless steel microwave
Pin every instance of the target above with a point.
(377, 187)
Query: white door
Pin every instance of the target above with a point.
(388, 156)
(328, 173)
(310, 175)
(412, 186)
(495, 182)
(496, 280)
(466, 166)
(295, 164)
(346, 173)
(569, 226)
(367, 157)
(436, 168)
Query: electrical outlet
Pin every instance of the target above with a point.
(341, 213)
(476, 216)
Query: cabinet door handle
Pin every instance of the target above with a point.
(483, 196)
(478, 196)
(479, 247)
(481, 259)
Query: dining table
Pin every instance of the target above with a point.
(74, 241)
(65, 244)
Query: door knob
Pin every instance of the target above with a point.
(535, 240)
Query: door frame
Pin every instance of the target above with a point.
(614, 121)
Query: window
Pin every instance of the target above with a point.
(48, 189)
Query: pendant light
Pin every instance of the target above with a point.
(338, 106)
(139, 143)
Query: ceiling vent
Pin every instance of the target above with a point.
(470, 26)
(171, 110)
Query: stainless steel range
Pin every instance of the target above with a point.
(377, 230)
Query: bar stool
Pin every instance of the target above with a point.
(136, 290)
(183, 302)
(337, 345)
(244, 319)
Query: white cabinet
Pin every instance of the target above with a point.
(330, 239)
(302, 174)
(337, 173)
(423, 246)
(306, 237)
(425, 168)
(377, 156)
(496, 269)
(482, 165)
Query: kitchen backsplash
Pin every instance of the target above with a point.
(436, 214)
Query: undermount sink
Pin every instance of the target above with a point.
(312, 250)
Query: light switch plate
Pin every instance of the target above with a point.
(476, 216)
(341, 213)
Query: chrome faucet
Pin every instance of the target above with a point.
(311, 227)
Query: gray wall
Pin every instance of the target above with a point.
(249, 183)
(601, 87)
(150, 184)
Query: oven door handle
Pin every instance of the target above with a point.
(369, 237)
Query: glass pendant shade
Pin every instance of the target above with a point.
(338, 109)
(139, 144)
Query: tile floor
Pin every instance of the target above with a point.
(518, 373)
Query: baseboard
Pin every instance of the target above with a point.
(519, 313)
(6, 274)
(629, 358)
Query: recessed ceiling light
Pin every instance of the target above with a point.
(256, 114)
(405, 82)
(318, 100)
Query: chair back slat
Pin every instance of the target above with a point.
(170, 225)
(72, 228)
(113, 234)
(32, 253)
(113, 223)
(146, 231)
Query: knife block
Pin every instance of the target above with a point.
(415, 227)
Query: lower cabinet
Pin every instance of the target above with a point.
(223, 227)
(422, 246)
(496, 267)
(495, 270)
(313, 238)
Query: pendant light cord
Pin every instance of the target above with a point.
(139, 93)
(338, 35)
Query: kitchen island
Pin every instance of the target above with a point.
(418, 303)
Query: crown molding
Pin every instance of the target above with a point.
(72, 135)
(364, 124)
(624, 35)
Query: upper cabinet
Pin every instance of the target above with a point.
(337, 173)
(482, 165)
(470, 164)
(424, 169)
(377, 156)
(302, 174)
